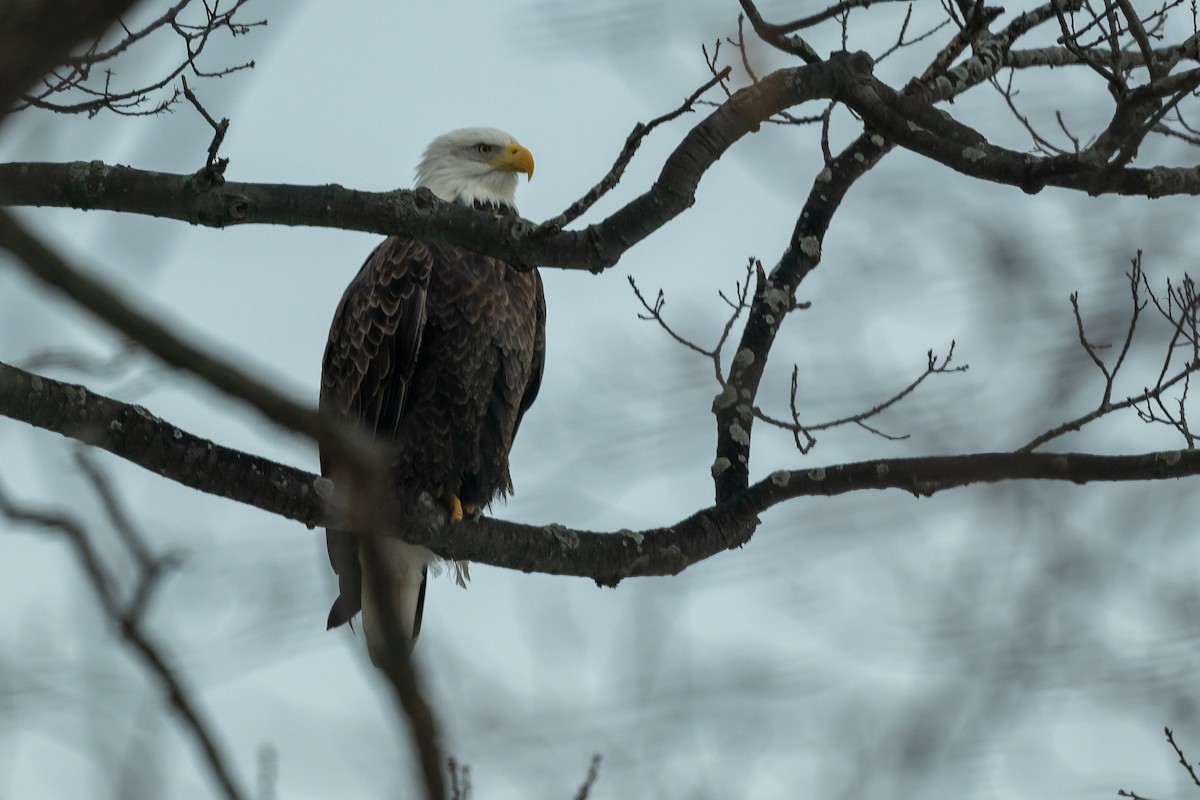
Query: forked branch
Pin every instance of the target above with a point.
(1178, 308)
(632, 143)
(802, 433)
(74, 86)
(1179, 756)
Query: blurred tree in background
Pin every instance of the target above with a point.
(1018, 635)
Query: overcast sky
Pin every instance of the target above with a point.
(993, 641)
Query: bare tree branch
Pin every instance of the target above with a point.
(607, 558)
(355, 453)
(897, 118)
(776, 37)
(74, 78)
(734, 419)
(1109, 37)
(460, 779)
(360, 461)
(134, 434)
(127, 619)
(632, 143)
(214, 168)
(802, 432)
(1180, 309)
(35, 37)
(1182, 760)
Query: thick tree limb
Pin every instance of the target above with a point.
(96, 185)
(143, 439)
(774, 296)
(134, 434)
(845, 77)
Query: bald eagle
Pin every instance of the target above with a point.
(437, 351)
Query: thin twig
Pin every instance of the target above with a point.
(1180, 308)
(95, 56)
(214, 168)
(1084, 52)
(934, 366)
(1131, 795)
(654, 312)
(782, 117)
(632, 143)
(832, 12)
(1182, 759)
(75, 80)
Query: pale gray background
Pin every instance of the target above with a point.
(1014, 640)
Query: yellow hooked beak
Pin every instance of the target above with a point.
(515, 159)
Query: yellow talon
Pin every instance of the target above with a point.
(456, 508)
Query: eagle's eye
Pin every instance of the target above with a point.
(483, 149)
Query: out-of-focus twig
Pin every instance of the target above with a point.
(588, 782)
(127, 619)
(151, 568)
(460, 779)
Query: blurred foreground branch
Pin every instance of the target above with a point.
(127, 617)
(400, 671)
(354, 454)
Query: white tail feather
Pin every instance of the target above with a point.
(401, 573)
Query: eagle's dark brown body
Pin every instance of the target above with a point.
(440, 351)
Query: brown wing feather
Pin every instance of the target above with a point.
(539, 355)
(372, 350)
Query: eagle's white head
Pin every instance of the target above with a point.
(474, 165)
